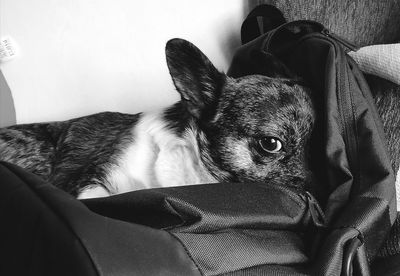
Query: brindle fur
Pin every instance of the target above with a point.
(367, 22)
(70, 154)
(228, 115)
(363, 22)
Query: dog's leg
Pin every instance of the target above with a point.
(28, 146)
(93, 191)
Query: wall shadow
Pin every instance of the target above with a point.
(7, 108)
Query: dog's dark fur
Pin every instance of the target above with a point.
(68, 153)
(363, 23)
(231, 121)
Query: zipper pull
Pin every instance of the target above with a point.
(317, 214)
(341, 40)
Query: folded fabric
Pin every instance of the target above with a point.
(380, 60)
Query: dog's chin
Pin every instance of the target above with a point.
(274, 178)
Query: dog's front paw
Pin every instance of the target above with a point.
(93, 192)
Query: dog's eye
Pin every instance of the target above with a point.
(270, 144)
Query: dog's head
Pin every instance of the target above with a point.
(253, 128)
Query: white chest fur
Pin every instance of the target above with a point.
(157, 157)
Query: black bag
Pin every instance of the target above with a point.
(207, 229)
(228, 228)
(356, 184)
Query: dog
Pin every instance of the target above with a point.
(363, 23)
(253, 128)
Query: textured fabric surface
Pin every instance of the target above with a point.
(392, 245)
(225, 227)
(270, 270)
(247, 248)
(380, 60)
(358, 167)
(48, 232)
(387, 99)
(365, 22)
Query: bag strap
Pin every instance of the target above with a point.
(355, 261)
(261, 20)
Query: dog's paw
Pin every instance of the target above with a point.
(93, 192)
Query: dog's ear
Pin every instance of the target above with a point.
(195, 77)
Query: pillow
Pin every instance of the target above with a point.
(380, 60)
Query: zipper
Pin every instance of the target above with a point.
(341, 40)
(297, 194)
(301, 196)
(317, 215)
(345, 102)
(346, 110)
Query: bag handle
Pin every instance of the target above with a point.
(355, 259)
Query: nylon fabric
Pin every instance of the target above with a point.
(224, 227)
(210, 207)
(114, 247)
(35, 241)
(355, 181)
(230, 228)
(247, 248)
(268, 270)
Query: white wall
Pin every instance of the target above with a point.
(83, 56)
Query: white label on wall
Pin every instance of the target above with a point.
(8, 49)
